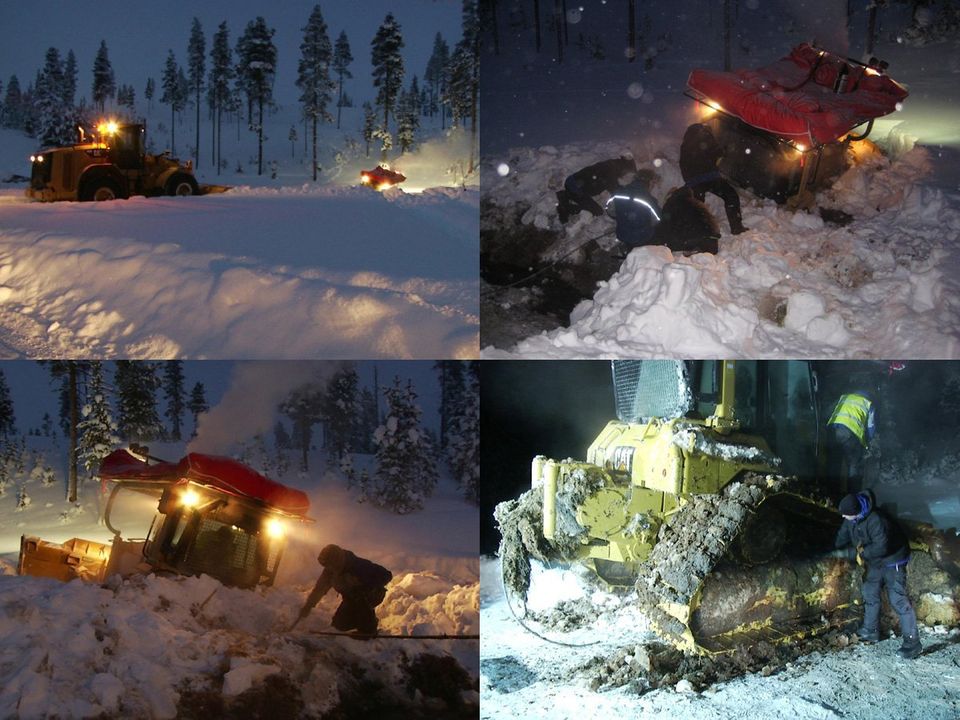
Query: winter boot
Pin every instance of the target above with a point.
(868, 636)
(911, 648)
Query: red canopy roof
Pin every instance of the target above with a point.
(223, 473)
(794, 97)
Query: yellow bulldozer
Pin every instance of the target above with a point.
(112, 163)
(703, 497)
(213, 515)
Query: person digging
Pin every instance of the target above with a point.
(361, 584)
(884, 550)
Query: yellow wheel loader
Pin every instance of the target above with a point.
(692, 497)
(214, 515)
(111, 164)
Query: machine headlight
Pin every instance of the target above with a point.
(190, 498)
(275, 528)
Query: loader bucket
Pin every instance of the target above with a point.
(213, 189)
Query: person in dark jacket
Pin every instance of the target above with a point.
(699, 154)
(580, 188)
(360, 582)
(883, 548)
(686, 224)
(636, 210)
(853, 424)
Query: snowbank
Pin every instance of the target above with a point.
(794, 285)
(329, 272)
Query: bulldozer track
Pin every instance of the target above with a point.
(361, 636)
(692, 543)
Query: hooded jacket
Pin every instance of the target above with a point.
(883, 541)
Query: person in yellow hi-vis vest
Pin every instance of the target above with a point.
(853, 423)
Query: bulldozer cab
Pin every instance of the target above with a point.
(126, 146)
(774, 401)
(201, 530)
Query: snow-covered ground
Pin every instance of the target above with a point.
(277, 267)
(860, 681)
(156, 647)
(794, 284)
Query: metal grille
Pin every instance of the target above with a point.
(651, 388)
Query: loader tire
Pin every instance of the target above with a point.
(100, 190)
(182, 185)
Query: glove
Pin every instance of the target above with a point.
(860, 561)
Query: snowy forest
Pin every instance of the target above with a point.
(105, 405)
(220, 78)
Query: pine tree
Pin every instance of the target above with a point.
(405, 475)
(8, 421)
(257, 56)
(55, 118)
(341, 411)
(104, 85)
(463, 439)
(281, 438)
(98, 429)
(450, 375)
(12, 114)
(136, 386)
(175, 395)
(436, 77)
(292, 137)
(387, 67)
(304, 407)
(341, 61)
(197, 405)
(148, 93)
(196, 53)
(46, 426)
(369, 124)
(367, 426)
(221, 75)
(466, 71)
(70, 80)
(172, 94)
(69, 372)
(408, 121)
(313, 76)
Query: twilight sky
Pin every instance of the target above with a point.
(138, 35)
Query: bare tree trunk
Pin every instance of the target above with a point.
(260, 136)
(213, 136)
(340, 100)
(558, 19)
(631, 30)
(872, 25)
(536, 20)
(74, 422)
(173, 130)
(727, 27)
(196, 150)
(314, 148)
(566, 25)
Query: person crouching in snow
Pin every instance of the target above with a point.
(360, 582)
(580, 188)
(686, 224)
(636, 210)
(699, 154)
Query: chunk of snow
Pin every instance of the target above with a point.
(245, 674)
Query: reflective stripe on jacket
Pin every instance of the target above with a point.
(854, 412)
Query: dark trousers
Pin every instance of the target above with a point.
(894, 579)
(847, 458)
(726, 192)
(573, 198)
(355, 613)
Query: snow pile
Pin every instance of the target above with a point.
(278, 272)
(793, 285)
(137, 647)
